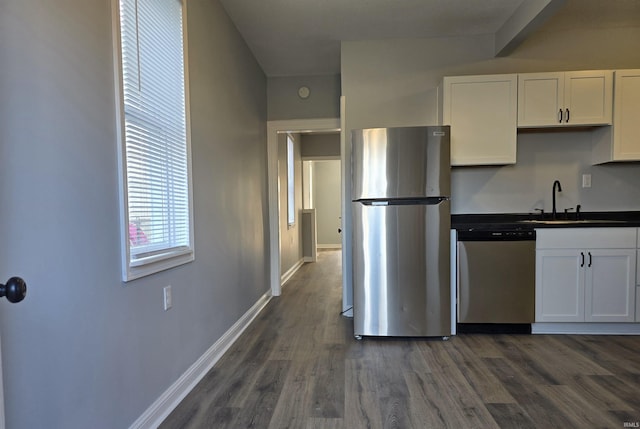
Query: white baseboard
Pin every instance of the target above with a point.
(586, 328)
(169, 400)
(290, 272)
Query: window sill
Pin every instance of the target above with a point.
(154, 264)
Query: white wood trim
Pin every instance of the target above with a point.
(169, 400)
(347, 287)
(586, 328)
(290, 272)
(273, 128)
(454, 280)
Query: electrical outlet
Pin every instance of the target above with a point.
(166, 293)
(586, 180)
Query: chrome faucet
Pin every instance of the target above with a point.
(556, 185)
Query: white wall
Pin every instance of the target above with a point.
(327, 202)
(84, 350)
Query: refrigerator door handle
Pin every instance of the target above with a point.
(439, 200)
(424, 201)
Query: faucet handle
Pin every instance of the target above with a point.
(568, 209)
(578, 207)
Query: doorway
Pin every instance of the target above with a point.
(273, 129)
(321, 193)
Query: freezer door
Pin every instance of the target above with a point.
(407, 162)
(401, 270)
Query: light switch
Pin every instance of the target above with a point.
(586, 180)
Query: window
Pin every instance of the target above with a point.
(291, 184)
(154, 130)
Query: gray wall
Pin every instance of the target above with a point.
(543, 157)
(326, 201)
(85, 350)
(323, 101)
(321, 145)
(290, 235)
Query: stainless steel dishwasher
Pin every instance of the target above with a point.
(496, 277)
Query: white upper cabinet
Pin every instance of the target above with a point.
(622, 141)
(565, 99)
(482, 113)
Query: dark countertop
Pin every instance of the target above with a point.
(529, 221)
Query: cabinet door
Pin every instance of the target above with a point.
(565, 99)
(610, 285)
(540, 99)
(482, 113)
(560, 285)
(626, 126)
(588, 98)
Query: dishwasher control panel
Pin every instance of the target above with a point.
(508, 235)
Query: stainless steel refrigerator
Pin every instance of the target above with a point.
(401, 232)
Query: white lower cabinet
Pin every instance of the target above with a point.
(609, 285)
(559, 286)
(576, 283)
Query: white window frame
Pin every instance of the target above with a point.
(291, 182)
(169, 258)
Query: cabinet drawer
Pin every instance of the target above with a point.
(593, 238)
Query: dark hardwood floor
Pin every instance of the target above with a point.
(298, 366)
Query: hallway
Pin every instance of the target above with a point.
(298, 366)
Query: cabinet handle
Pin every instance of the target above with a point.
(590, 259)
(560, 115)
(567, 120)
(582, 259)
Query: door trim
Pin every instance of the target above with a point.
(1, 391)
(273, 128)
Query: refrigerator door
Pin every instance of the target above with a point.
(407, 162)
(401, 270)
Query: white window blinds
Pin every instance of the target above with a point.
(156, 150)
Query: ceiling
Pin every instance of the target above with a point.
(302, 37)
